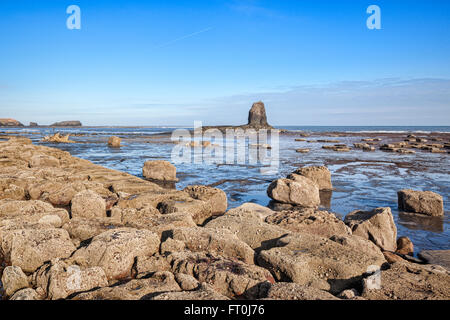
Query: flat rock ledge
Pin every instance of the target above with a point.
(70, 229)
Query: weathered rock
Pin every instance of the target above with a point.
(30, 248)
(425, 202)
(205, 292)
(38, 161)
(376, 225)
(134, 289)
(215, 197)
(199, 210)
(405, 246)
(145, 265)
(295, 291)
(215, 241)
(407, 281)
(318, 174)
(229, 277)
(359, 244)
(13, 279)
(59, 280)
(84, 228)
(31, 211)
(159, 170)
(187, 282)
(301, 192)
(115, 250)
(170, 245)
(247, 223)
(114, 142)
(9, 190)
(392, 257)
(26, 294)
(88, 204)
(317, 262)
(348, 294)
(439, 257)
(257, 115)
(322, 223)
(58, 138)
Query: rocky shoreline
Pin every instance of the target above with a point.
(70, 229)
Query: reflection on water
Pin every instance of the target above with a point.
(421, 222)
(361, 180)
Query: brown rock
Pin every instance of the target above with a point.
(59, 280)
(26, 294)
(8, 122)
(439, 257)
(425, 202)
(407, 281)
(257, 115)
(134, 289)
(88, 204)
(159, 170)
(214, 241)
(405, 246)
(322, 223)
(302, 192)
(204, 292)
(13, 279)
(247, 223)
(318, 174)
(376, 225)
(229, 277)
(114, 142)
(215, 197)
(41, 160)
(115, 251)
(317, 262)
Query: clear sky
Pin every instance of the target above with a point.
(173, 62)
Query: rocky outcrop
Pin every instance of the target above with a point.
(159, 170)
(424, 202)
(405, 246)
(13, 279)
(216, 198)
(7, 122)
(70, 123)
(295, 291)
(257, 116)
(377, 226)
(57, 138)
(88, 204)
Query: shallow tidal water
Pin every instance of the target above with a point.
(361, 180)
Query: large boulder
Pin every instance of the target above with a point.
(159, 170)
(410, 281)
(134, 289)
(322, 223)
(376, 225)
(199, 210)
(88, 204)
(58, 280)
(13, 279)
(257, 115)
(30, 248)
(317, 262)
(301, 192)
(32, 211)
(319, 174)
(424, 202)
(215, 241)
(247, 223)
(229, 277)
(215, 197)
(115, 251)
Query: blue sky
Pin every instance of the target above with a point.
(173, 62)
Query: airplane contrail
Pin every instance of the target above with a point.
(183, 37)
